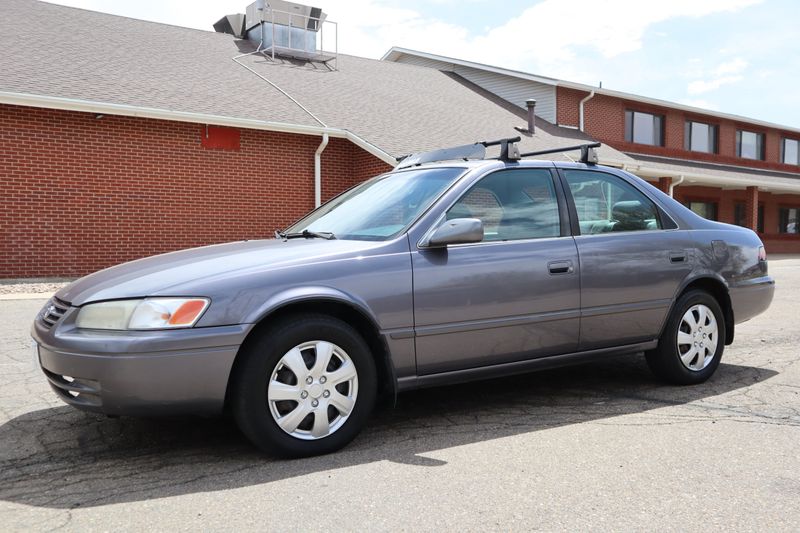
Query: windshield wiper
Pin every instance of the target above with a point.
(305, 234)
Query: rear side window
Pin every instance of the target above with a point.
(607, 203)
(513, 205)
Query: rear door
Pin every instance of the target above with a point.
(513, 296)
(631, 260)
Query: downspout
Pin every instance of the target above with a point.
(580, 108)
(318, 170)
(675, 184)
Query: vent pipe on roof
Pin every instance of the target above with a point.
(531, 104)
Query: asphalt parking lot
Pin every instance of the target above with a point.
(601, 447)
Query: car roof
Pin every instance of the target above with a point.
(472, 164)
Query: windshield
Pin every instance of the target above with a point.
(380, 208)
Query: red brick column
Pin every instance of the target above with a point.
(751, 208)
(664, 183)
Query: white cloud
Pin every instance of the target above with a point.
(544, 37)
(723, 74)
(734, 66)
(704, 86)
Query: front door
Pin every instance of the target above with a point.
(513, 296)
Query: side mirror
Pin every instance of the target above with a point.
(456, 231)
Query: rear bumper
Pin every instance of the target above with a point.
(105, 373)
(751, 297)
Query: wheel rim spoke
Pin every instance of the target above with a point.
(342, 403)
(293, 360)
(324, 352)
(321, 425)
(689, 356)
(290, 421)
(690, 320)
(281, 391)
(346, 372)
(702, 315)
(684, 338)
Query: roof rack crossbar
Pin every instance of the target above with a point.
(508, 148)
(588, 155)
(509, 151)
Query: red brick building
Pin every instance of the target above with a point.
(139, 138)
(725, 167)
(132, 138)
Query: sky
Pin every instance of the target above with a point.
(734, 56)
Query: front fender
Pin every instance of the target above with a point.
(309, 293)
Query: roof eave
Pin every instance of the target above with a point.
(106, 108)
(396, 51)
(774, 184)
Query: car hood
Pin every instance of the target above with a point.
(154, 276)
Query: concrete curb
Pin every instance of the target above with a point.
(26, 296)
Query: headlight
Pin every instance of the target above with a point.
(150, 313)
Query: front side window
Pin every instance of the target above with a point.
(607, 203)
(644, 128)
(513, 205)
(789, 220)
(790, 152)
(379, 208)
(706, 210)
(749, 145)
(700, 137)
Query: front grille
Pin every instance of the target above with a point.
(53, 312)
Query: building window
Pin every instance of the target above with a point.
(644, 128)
(704, 209)
(749, 145)
(790, 152)
(700, 137)
(740, 218)
(788, 220)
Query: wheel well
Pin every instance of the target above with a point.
(364, 325)
(720, 293)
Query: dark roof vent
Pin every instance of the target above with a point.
(232, 25)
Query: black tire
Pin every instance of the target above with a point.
(257, 362)
(665, 361)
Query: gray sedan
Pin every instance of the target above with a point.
(435, 273)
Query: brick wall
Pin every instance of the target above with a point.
(79, 194)
(774, 241)
(604, 119)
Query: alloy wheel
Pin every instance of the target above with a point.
(312, 390)
(697, 337)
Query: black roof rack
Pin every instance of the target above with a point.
(509, 151)
(588, 155)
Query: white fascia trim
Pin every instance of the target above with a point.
(787, 185)
(394, 53)
(88, 106)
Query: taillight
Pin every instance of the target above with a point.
(762, 253)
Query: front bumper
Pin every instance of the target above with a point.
(139, 373)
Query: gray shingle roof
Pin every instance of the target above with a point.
(105, 58)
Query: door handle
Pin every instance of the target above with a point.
(560, 267)
(677, 257)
